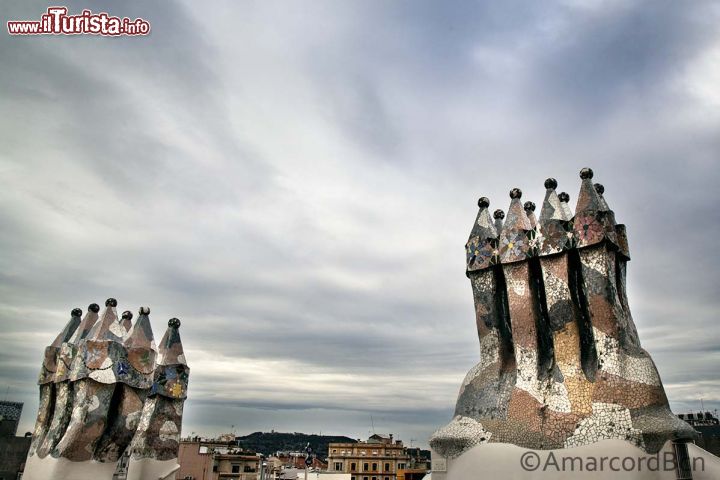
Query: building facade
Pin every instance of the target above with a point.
(379, 458)
(215, 460)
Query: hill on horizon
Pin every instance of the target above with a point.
(268, 443)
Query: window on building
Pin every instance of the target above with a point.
(366, 467)
(401, 466)
(353, 466)
(236, 469)
(249, 469)
(387, 467)
(387, 478)
(374, 467)
(338, 466)
(365, 478)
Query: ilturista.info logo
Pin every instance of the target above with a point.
(56, 21)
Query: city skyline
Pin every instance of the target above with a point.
(296, 183)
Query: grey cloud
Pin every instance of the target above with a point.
(616, 54)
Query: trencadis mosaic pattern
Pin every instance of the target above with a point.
(105, 387)
(560, 358)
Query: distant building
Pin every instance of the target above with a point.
(236, 466)
(326, 476)
(708, 426)
(9, 418)
(419, 458)
(283, 460)
(299, 474)
(412, 473)
(203, 459)
(379, 458)
(13, 449)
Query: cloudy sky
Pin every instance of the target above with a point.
(296, 180)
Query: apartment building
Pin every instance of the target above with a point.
(378, 458)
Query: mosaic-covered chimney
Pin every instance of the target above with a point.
(560, 360)
(97, 382)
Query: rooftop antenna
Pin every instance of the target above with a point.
(702, 405)
(411, 441)
(372, 422)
